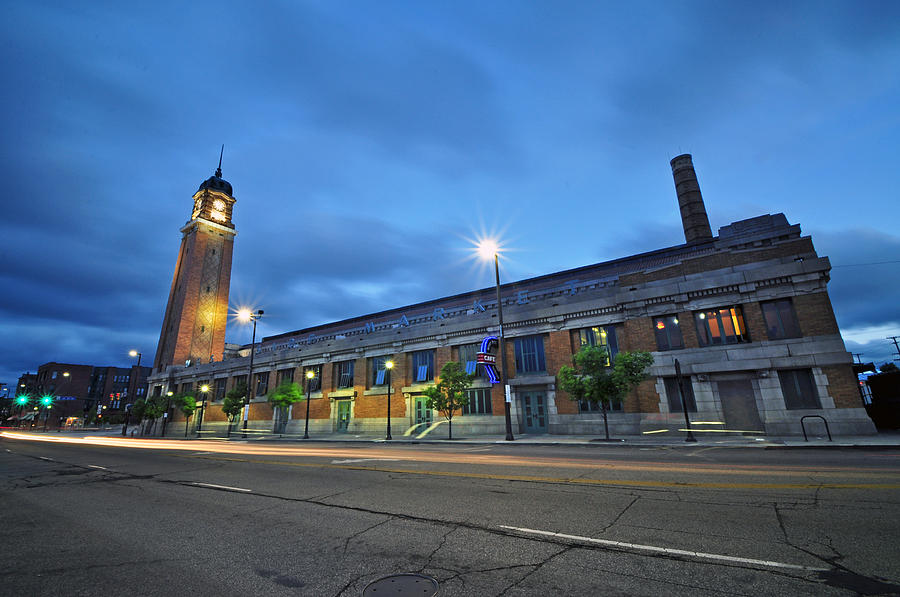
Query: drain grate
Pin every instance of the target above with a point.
(402, 585)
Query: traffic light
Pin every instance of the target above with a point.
(22, 400)
(47, 400)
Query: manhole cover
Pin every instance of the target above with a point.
(403, 585)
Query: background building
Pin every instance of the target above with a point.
(746, 312)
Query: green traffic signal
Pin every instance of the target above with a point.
(46, 400)
(23, 399)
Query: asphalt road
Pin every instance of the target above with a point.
(170, 518)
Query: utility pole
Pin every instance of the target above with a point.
(858, 356)
(896, 346)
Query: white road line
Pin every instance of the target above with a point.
(354, 460)
(103, 468)
(45, 458)
(222, 487)
(667, 550)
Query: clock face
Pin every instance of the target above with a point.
(217, 215)
(219, 205)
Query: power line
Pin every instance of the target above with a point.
(872, 263)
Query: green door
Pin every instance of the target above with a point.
(423, 413)
(343, 415)
(534, 412)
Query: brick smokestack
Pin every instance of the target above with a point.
(690, 201)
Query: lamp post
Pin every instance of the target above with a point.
(679, 380)
(388, 366)
(131, 392)
(246, 315)
(204, 389)
(486, 249)
(47, 403)
(169, 395)
(310, 375)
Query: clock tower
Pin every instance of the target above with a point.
(194, 325)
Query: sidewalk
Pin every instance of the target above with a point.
(885, 440)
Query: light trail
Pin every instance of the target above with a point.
(400, 452)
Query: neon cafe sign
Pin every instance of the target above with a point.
(487, 357)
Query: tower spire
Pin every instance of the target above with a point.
(219, 169)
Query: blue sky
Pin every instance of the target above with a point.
(368, 141)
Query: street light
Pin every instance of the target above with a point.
(310, 375)
(204, 389)
(47, 403)
(388, 365)
(132, 389)
(246, 316)
(169, 395)
(486, 249)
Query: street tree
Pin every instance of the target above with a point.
(282, 398)
(187, 404)
(593, 379)
(449, 394)
(233, 403)
(889, 367)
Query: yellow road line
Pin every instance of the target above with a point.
(570, 481)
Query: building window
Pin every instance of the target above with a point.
(344, 374)
(467, 355)
(262, 383)
(377, 370)
(675, 399)
(530, 355)
(604, 337)
(315, 384)
(187, 388)
(286, 376)
(721, 326)
(668, 333)
(238, 381)
(586, 406)
(781, 320)
(423, 365)
(798, 389)
(53, 376)
(220, 389)
(479, 402)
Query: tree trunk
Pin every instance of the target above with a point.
(605, 423)
(186, 419)
(450, 426)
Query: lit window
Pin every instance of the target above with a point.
(468, 354)
(604, 337)
(668, 333)
(721, 326)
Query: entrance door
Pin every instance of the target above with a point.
(343, 415)
(534, 412)
(423, 413)
(281, 419)
(739, 405)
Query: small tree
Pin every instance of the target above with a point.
(283, 397)
(592, 378)
(187, 404)
(154, 407)
(233, 403)
(889, 367)
(449, 394)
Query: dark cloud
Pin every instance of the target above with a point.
(865, 276)
(362, 141)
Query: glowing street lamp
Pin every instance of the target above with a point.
(204, 389)
(310, 375)
(246, 316)
(169, 395)
(47, 404)
(488, 248)
(388, 365)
